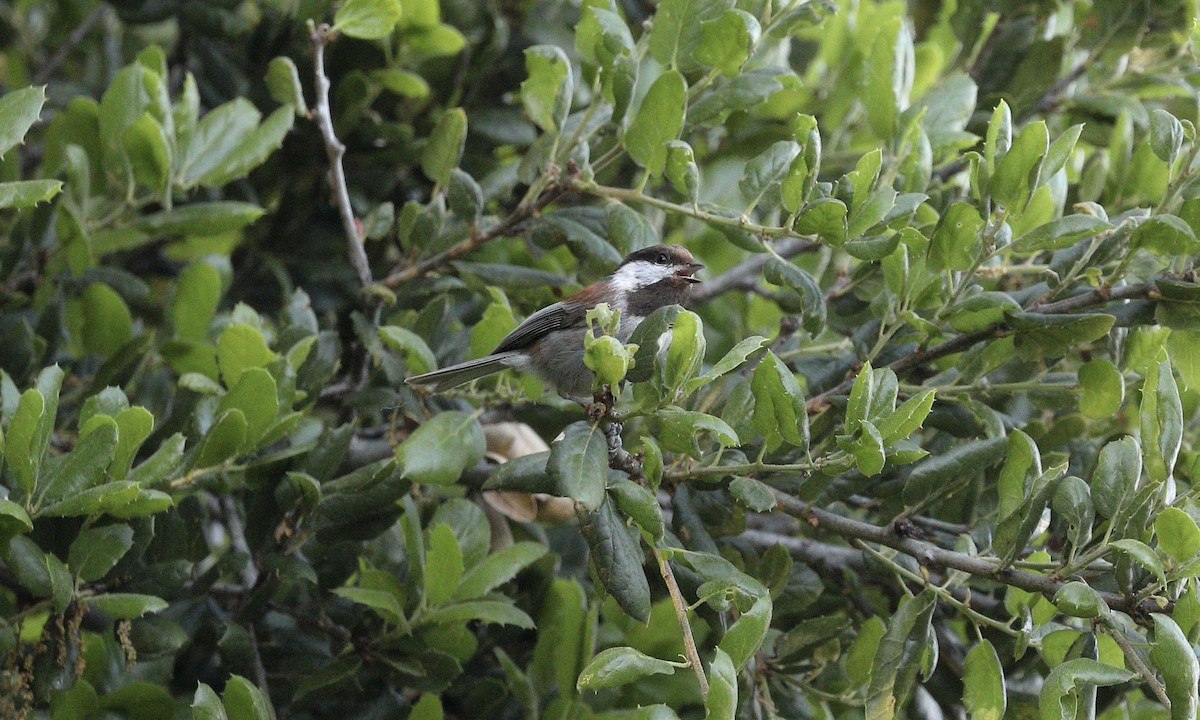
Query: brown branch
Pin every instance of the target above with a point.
(320, 36)
(505, 227)
(929, 554)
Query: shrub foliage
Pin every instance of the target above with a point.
(922, 445)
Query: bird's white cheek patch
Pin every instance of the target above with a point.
(637, 275)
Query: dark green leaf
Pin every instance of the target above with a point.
(578, 464)
(440, 450)
(616, 559)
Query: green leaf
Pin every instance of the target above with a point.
(862, 651)
(765, 171)
(217, 137)
(464, 196)
(497, 569)
(1165, 235)
(578, 464)
(826, 218)
(146, 146)
(983, 683)
(108, 324)
(22, 448)
(1115, 481)
(206, 705)
(889, 77)
(1060, 233)
(156, 468)
(417, 355)
(81, 468)
(894, 668)
(429, 707)
(97, 550)
(240, 348)
(1017, 173)
(752, 494)
(283, 81)
(1144, 555)
(203, 218)
(722, 700)
(809, 298)
(440, 450)
(868, 450)
(1178, 534)
(743, 639)
(1014, 531)
(367, 19)
(678, 30)
(13, 520)
(1049, 335)
(256, 396)
(382, 602)
(730, 361)
(943, 470)
(251, 150)
(1073, 502)
(1078, 599)
(727, 41)
(401, 82)
(244, 701)
(686, 352)
(955, 242)
(443, 565)
(493, 612)
(1166, 135)
(616, 559)
(907, 418)
(126, 606)
(19, 109)
(22, 194)
(658, 120)
(620, 665)
(445, 147)
(223, 440)
(546, 92)
(1172, 653)
(1161, 421)
(1103, 388)
(639, 504)
(681, 429)
(197, 293)
(1061, 692)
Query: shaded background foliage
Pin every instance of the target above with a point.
(922, 446)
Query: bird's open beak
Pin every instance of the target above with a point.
(688, 272)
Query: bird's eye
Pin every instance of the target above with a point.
(662, 259)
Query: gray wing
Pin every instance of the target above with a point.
(550, 318)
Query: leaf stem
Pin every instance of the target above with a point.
(681, 612)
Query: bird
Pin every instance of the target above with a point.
(549, 343)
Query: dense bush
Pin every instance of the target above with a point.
(923, 445)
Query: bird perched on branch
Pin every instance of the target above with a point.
(549, 343)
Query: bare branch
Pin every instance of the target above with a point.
(320, 36)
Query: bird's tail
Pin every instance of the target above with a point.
(464, 372)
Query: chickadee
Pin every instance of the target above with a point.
(550, 342)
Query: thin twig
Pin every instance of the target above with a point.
(681, 613)
(1136, 661)
(929, 554)
(1099, 296)
(503, 228)
(320, 36)
(77, 35)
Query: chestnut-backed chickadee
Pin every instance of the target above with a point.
(550, 342)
